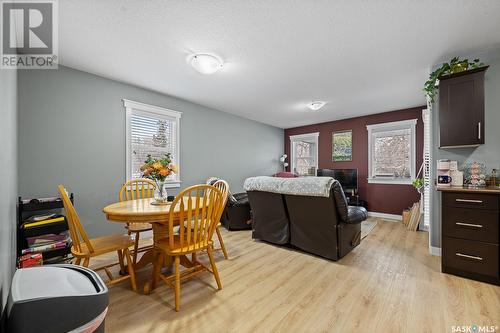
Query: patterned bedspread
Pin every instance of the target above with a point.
(308, 186)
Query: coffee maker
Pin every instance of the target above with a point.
(443, 173)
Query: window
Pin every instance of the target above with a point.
(304, 150)
(151, 130)
(391, 152)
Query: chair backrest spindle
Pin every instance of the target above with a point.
(76, 230)
(223, 186)
(198, 209)
(137, 189)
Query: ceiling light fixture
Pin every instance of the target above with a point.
(206, 63)
(315, 106)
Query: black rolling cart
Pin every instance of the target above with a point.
(30, 207)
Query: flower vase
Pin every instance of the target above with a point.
(161, 194)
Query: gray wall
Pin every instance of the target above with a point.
(8, 175)
(489, 153)
(72, 132)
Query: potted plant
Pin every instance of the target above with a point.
(418, 184)
(456, 65)
(158, 170)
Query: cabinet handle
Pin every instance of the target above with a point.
(468, 256)
(479, 130)
(469, 200)
(469, 225)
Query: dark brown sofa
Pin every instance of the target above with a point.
(325, 226)
(236, 215)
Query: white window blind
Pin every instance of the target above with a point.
(426, 116)
(391, 152)
(303, 157)
(154, 131)
(151, 135)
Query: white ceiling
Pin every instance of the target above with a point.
(361, 57)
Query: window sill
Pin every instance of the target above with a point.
(174, 184)
(389, 181)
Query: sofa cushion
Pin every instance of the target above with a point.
(356, 214)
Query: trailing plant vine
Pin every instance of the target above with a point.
(455, 65)
(418, 183)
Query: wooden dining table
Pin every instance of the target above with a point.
(143, 211)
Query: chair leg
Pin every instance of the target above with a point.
(78, 261)
(136, 246)
(221, 242)
(177, 283)
(214, 268)
(120, 260)
(130, 266)
(86, 262)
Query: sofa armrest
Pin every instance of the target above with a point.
(356, 214)
(238, 199)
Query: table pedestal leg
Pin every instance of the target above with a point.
(167, 265)
(159, 232)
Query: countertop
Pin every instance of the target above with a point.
(464, 189)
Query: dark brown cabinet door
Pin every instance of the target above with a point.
(461, 109)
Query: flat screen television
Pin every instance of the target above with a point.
(348, 178)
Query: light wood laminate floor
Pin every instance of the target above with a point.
(387, 284)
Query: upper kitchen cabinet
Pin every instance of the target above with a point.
(461, 109)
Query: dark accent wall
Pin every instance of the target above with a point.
(382, 198)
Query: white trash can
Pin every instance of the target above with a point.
(57, 298)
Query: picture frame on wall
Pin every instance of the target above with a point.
(342, 146)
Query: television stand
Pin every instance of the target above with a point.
(354, 200)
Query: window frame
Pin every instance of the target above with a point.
(394, 126)
(300, 137)
(151, 110)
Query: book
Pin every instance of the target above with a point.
(30, 260)
(39, 200)
(36, 218)
(45, 248)
(28, 224)
(415, 215)
(47, 239)
(406, 216)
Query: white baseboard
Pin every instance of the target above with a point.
(435, 251)
(395, 217)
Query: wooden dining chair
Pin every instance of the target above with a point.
(137, 189)
(84, 248)
(197, 209)
(223, 186)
